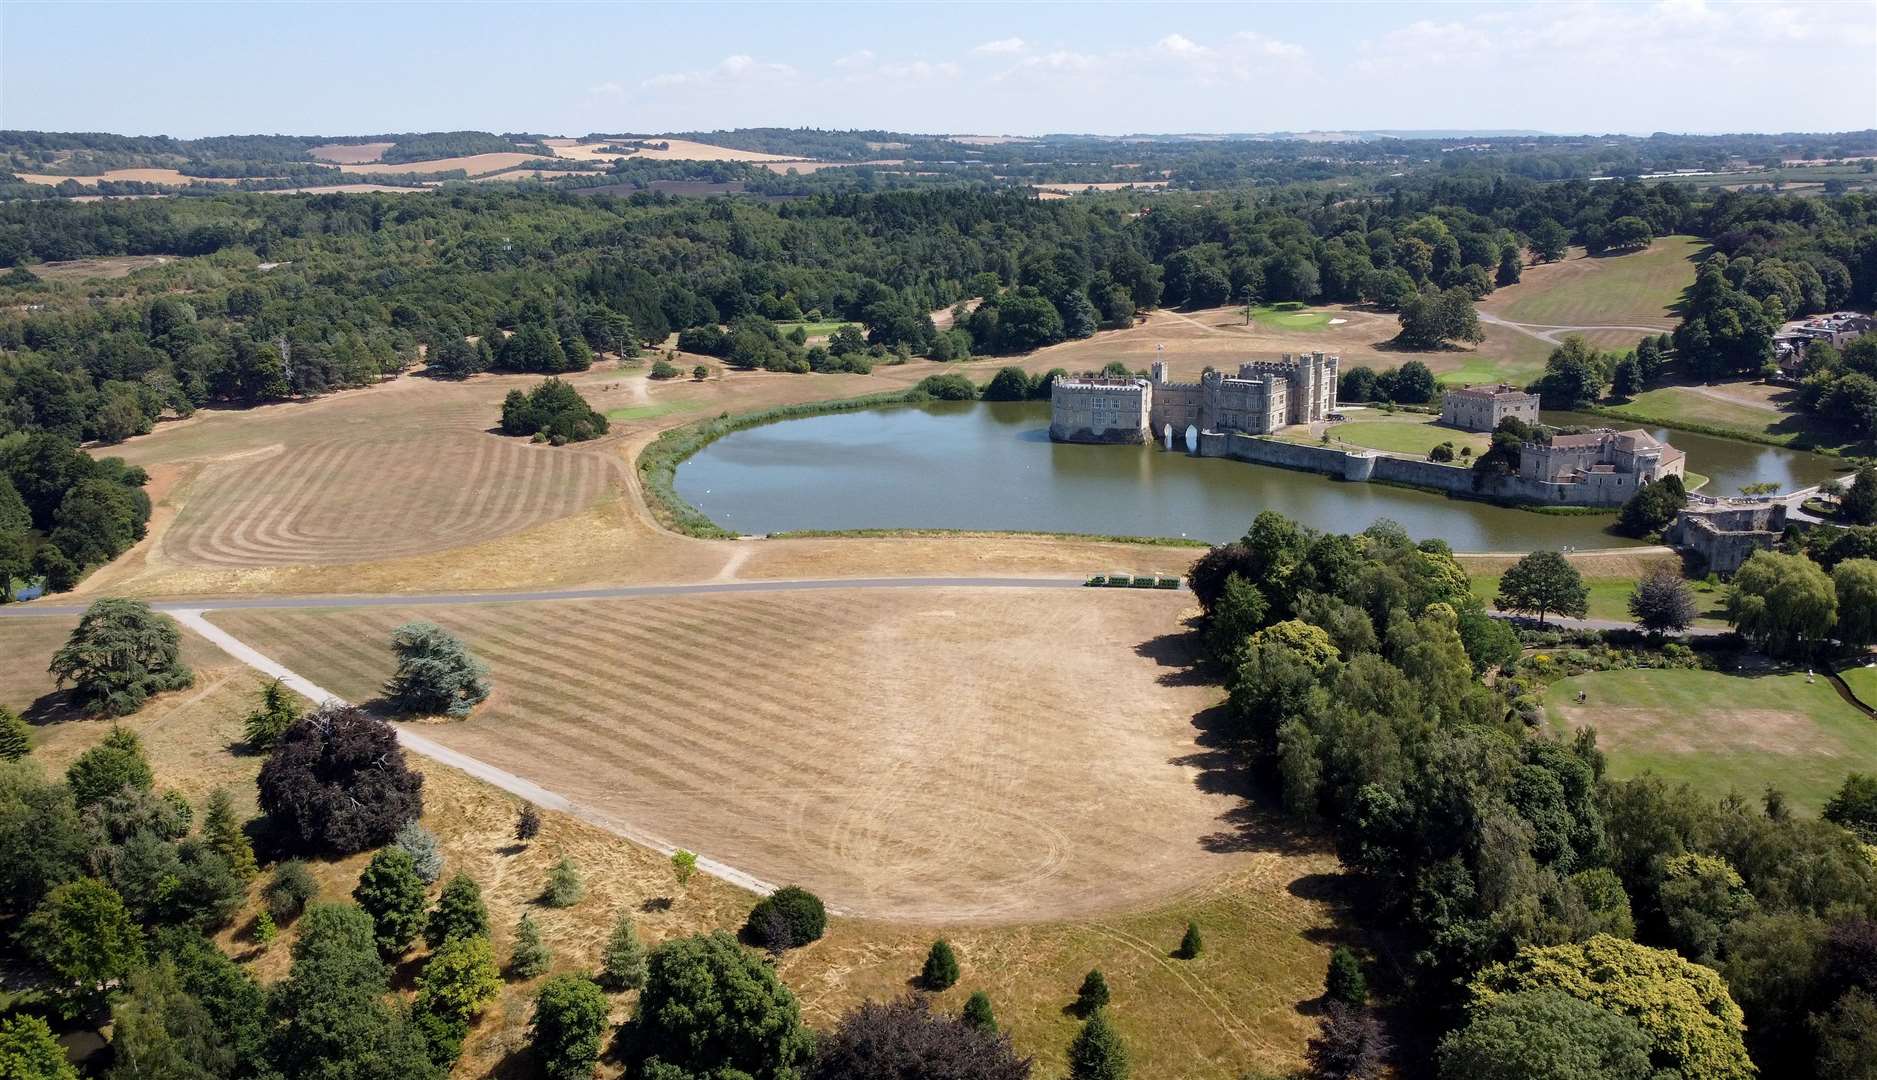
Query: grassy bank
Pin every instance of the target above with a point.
(658, 464)
(1663, 407)
(1151, 541)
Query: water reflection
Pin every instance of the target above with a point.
(991, 465)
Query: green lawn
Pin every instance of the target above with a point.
(1681, 406)
(813, 329)
(1404, 433)
(646, 412)
(1721, 732)
(1290, 316)
(1609, 597)
(1637, 289)
(1863, 683)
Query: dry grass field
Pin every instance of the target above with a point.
(1269, 921)
(148, 176)
(1077, 189)
(108, 268)
(933, 755)
(679, 150)
(473, 164)
(349, 153)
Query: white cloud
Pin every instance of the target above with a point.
(1181, 45)
(607, 89)
(1009, 46)
(740, 68)
(855, 60)
(1261, 45)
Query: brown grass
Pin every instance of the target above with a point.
(148, 176)
(1033, 791)
(473, 164)
(109, 268)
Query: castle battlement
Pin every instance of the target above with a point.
(1264, 396)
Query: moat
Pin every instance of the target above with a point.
(991, 465)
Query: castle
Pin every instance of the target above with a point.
(1609, 465)
(1264, 396)
(1480, 408)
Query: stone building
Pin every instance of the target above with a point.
(1264, 396)
(1480, 408)
(1726, 533)
(1607, 465)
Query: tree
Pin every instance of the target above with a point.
(1854, 806)
(459, 913)
(108, 768)
(555, 412)
(1700, 895)
(1653, 507)
(1576, 374)
(393, 895)
(84, 935)
(272, 716)
(1663, 603)
(332, 1016)
(622, 964)
(337, 783)
(1546, 1035)
(119, 654)
(1854, 581)
(1626, 378)
(1345, 982)
(527, 823)
(1628, 233)
(1847, 1038)
(978, 1013)
(564, 887)
(1542, 583)
(788, 918)
(289, 891)
(904, 1039)
(1410, 384)
(1858, 505)
(29, 1052)
(1098, 1052)
(459, 980)
(941, 967)
(710, 1006)
(1550, 241)
(1009, 384)
(1511, 266)
(1489, 642)
(426, 854)
(161, 1032)
(1094, 993)
(1785, 604)
(1191, 945)
(435, 675)
(225, 834)
(1430, 320)
(1239, 612)
(1693, 1026)
(1349, 1045)
(661, 370)
(16, 736)
(529, 957)
(683, 865)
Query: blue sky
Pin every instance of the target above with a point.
(992, 68)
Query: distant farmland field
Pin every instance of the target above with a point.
(349, 153)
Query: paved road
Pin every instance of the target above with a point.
(1548, 333)
(617, 592)
(1559, 622)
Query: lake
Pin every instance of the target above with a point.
(991, 466)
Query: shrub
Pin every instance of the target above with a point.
(527, 823)
(700, 372)
(665, 369)
(950, 387)
(1345, 982)
(289, 891)
(978, 1012)
(905, 1038)
(119, 654)
(564, 887)
(108, 768)
(683, 865)
(459, 980)
(941, 967)
(712, 1008)
(1191, 945)
(426, 855)
(337, 783)
(1094, 993)
(788, 918)
(436, 675)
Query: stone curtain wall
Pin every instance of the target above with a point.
(1358, 466)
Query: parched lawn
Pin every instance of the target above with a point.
(1721, 732)
(1609, 597)
(1637, 289)
(1404, 433)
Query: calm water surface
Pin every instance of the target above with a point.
(990, 465)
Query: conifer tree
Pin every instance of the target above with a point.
(224, 833)
(1345, 982)
(1097, 1052)
(1191, 945)
(622, 966)
(1094, 993)
(393, 895)
(978, 1012)
(16, 736)
(529, 957)
(272, 716)
(459, 913)
(527, 823)
(564, 887)
(941, 967)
